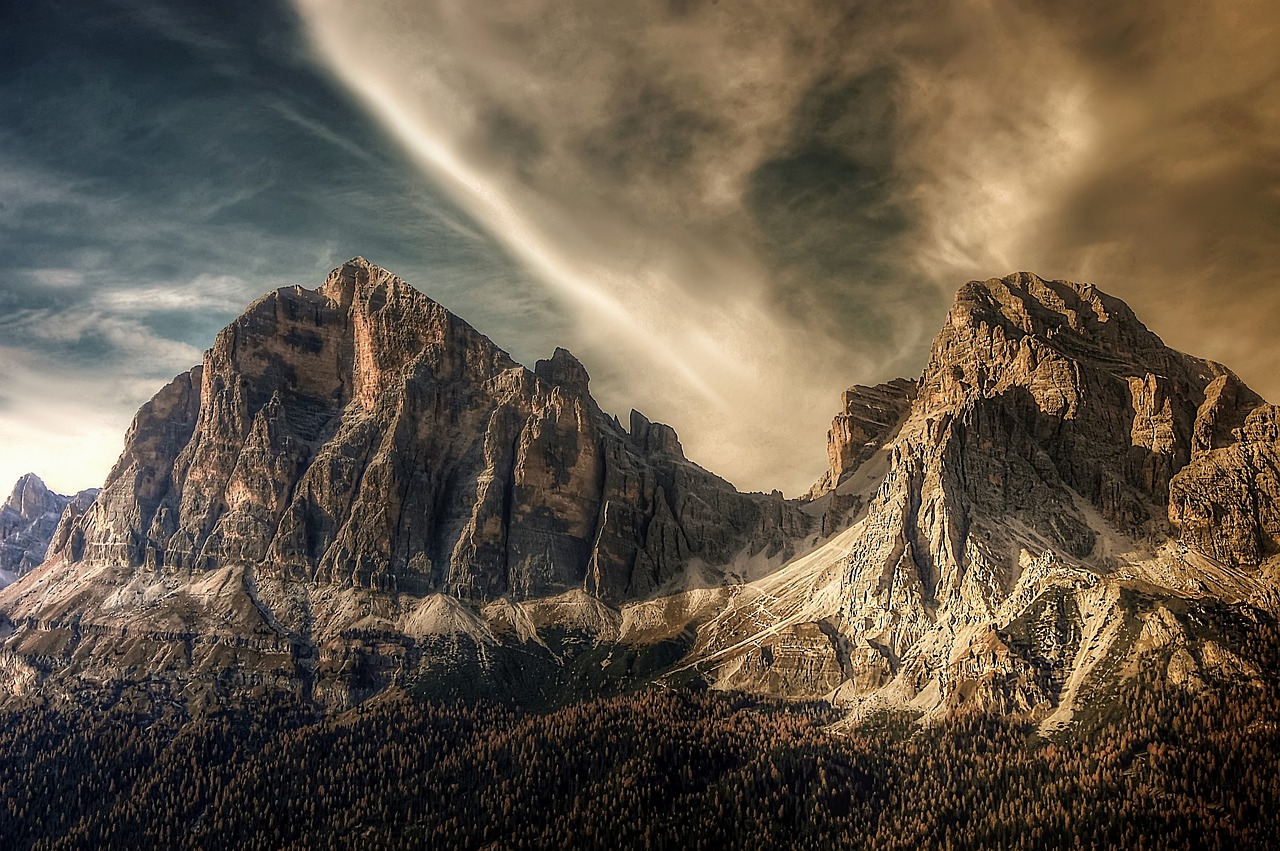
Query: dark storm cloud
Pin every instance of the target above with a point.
(832, 212)
(647, 131)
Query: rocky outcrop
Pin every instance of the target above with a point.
(1162, 444)
(361, 435)
(1086, 390)
(29, 521)
(1226, 502)
(868, 417)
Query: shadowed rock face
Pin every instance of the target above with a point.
(1226, 502)
(361, 435)
(1078, 378)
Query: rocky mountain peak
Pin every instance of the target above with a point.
(1058, 462)
(29, 520)
(1107, 409)
(1030, 305)
(362, 435)
(357, 274)
(31, 498)
(356, 487)
(653, 437)
(1022, 330)
(564, 370)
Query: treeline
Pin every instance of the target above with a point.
(1161, 767)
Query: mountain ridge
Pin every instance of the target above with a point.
(357, 489)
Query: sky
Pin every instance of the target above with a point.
(729, 211)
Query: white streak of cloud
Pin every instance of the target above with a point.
(55, 278)
(222, 293)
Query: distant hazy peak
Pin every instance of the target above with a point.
(31, 498)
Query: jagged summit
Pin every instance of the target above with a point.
(1050, 464)
(1116, 412)
(562, 369)
(1042, 307)
(30, 497)
(1010, 329)
(868, 417)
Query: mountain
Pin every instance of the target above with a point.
(357, 461)
(357, 490)
(1065, 499)
(29, 520)
(362, 436)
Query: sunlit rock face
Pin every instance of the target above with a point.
(868, 418)
(354, 471)
(360, 434)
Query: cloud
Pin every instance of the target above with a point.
(159, 170)
(748, 209)
(748, 206)
(730, 212)
(222, 293)
(72, 377)
(610, 154)
(55, 278)
(1179, 208)
(64, 424)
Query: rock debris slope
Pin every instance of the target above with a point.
(357, 489)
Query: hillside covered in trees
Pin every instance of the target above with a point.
(1162, 767)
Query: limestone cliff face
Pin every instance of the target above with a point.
(1053, 391)
(361, 435)
(1080, 386)
(868, 418)
(1226, 501)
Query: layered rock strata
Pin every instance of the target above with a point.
(362, 435)
(868, 417)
